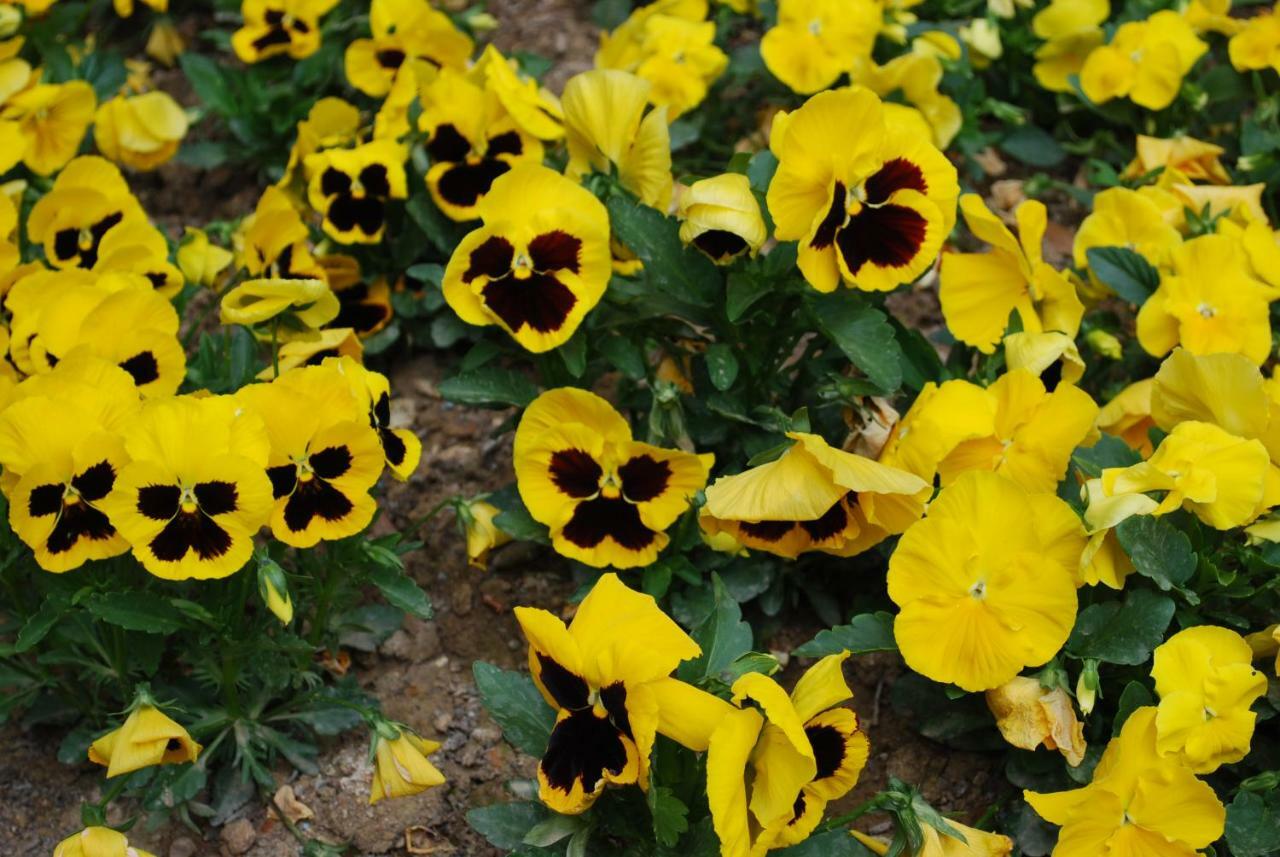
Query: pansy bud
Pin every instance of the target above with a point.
(401, 767)
(721, 217)
(199, 259)
(273, 586)
(476, 518)
(1087, 687)
(1104, 343)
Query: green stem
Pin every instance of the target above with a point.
(849, 817)
(411, 531)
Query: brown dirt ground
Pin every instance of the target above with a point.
(422, 674)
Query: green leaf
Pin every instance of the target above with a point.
(520, 525)
(1253, 826)
(401, 591)
(722, 366)
(869, 632)
(670, 815)
(1128, 274)
(489, 385)
(1122, 634)
(136, 611)
(1034, 146)
(863, 334)
(761, 168)
(505, 825)
(625, 355)
(553, 830)
(207, 79)
(1158, 549)
(1133, 697)
(574, 354)
(724, 637)
(668, 264)
(1109, 451)
(834, 843)
(38, 626)
(515, 703)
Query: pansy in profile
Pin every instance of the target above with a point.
(814, 497)
(775, 761)
(601, 674)
(147, 737)
(1257, 45)
(274, 242)
(312, 351)
(403, 32)
(401, 448)
(279, 27)
(196, 490)
(401, 763)
(978, 291)
(140, 131)
(986, 582)
(1207, 686)
(325, 456)
(869, 200)
(538, 263)
(1209, 303)
(1145, 61)
(721, 217)
(476, 518)
(607, 499)
(200, 260)
(305, 304)
(816, 41)
(351, 189)
(1128, 416)
(1138, 802)
(970, 842)
(88, 199)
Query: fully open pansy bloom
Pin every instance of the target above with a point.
(1072, 29)
(816, 41)
(538, 263)
(985, 582)
(1145, 61)
(1257, 45)
(868, 199)
(606, 498)
(607, 129)
(1032, 436)
(196, 489)
(351, 188)
(147, 737)
(401, 763)
(1028, 715)
(814, 497)
(404, 32)
(1139, 803)
(1190, 159)
(88, 199)
(140, 131)
(325, 456)
(1126, 218)
(600, 675)
(275, 27)
(364, 307)
(721, 217)
(331, 122)
(1207, 686)
(978, 291)
(1209, 303)
(401, 448)
(53, 119)
(775, 761)
(472, 139)
(137, 247)
(98, 842)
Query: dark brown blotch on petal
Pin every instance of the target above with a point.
(540, 302)
(575, 473)
(582, 747)
(889, 237)
(896, 174)
(603, 518)
(644, 478)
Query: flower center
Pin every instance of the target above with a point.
(979, 590)
(188, 499)
(815, 27)
(1206, 311)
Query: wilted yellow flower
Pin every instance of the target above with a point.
(1144, 62)
(1029, 715)
(98, 842)
(1191, 159)
(721, 217)
(147, 737)
(140, 131)
(1207, 686)
(401, 766)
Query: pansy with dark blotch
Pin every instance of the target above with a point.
(403, 32)
(538, 263)
(364, 307)
(195, 491)
(606, 498)
(324, 454)
(607, 675)
(351, 189)
(89, 198)
(402, 449)
(868, 199)
(276, 242)
(275, 27)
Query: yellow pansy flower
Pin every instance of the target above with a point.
(1257, 45)
(1193, 160)
(404, 32)
(917, 74)
(1227, 390)
(939, 420)
(985, 582)
(352, 187)
(330, 342)
(978, 291)
(983, 40)
(816, 41)
(98, 842)
(1128, 416)
(147, 737)
(976, 843)
(273, 242)
(331, 122)
(165, 44)
(401, 766)
(254, 302)
(1209, 303)
(869, 201)
(1029, 715)
(1145, 62)
(401, 448)
(1206, 685)
(88, 200)
(1212, 16)
(52, 119)
(1138, 803)
(1071, 29)
(278, 27)
(140, 131)
(481, 532)
(721, 217)
(199, 259)
(1130, 219)
(1049, 355)
(606, 498)
(814, 497)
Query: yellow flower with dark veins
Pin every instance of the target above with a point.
(603, 674)
(869, 200)
(815, 497)
(140, 131)
(985, 582)
(324, 454)
(147, 737)
(401, 766)
(53, 119)
(1138, 804)
(404, 32)
(538, 263)
(351, 188)
(816, 41)
(606, 498)
(400, 446)
(196, 490)
(721, 217)
(88, 199)
(275, 27)
(98, 842)
(777, 760)
(1207, 686)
